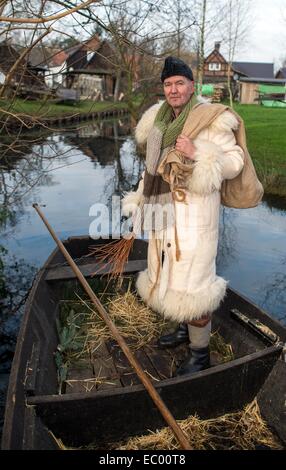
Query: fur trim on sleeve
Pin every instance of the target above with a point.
(207, 174)
(130, 203)
(225, 122)
(145, 124)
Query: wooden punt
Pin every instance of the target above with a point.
(109, 413)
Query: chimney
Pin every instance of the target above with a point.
(217, 46)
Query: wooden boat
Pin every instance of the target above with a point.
(77, 417)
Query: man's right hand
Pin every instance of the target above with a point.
(185, 145)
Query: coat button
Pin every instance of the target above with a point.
(168, 245)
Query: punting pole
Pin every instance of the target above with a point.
(170, 420)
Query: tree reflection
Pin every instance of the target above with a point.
(275, 202)
(227, 247)
(273, 294)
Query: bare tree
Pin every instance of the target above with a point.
(178, 20)
(235, 27)
(201, 48)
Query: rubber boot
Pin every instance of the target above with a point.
(180, 336)
(197, 361)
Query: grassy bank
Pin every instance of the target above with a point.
(266, 139)
(47, 109)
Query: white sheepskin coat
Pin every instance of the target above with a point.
(189, 288)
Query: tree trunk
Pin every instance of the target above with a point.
(117, 86)
(202, 49)
(229, 84)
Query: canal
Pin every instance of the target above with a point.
(68, 171)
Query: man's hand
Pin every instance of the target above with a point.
(186, 146)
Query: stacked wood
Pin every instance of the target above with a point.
(218, 94)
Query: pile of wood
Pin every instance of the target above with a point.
(218, 94)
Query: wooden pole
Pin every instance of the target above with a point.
(135, 364)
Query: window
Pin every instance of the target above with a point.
(89, 55)
(214, 66)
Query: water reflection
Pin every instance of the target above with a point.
(68, 172)
(252, 255)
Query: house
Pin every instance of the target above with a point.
(90, 69)
(8, 56)
(216, 66)
(44, 64)
(37, 64)
(56, 68)
(260, 90)
(48, 63)
(245, 76)
(28, 78)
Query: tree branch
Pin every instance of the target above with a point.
(48, 18)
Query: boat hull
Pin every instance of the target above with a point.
(34, 408)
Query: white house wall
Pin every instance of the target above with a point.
(55, 76)
(2, 78)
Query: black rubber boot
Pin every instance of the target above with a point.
(198, 360)
(180, 336)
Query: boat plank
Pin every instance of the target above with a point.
(160, 360)
(124, 369)
(80, 378)
(62, 273)
(147, 365)
(104, 369)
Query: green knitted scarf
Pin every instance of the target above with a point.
(170, 127)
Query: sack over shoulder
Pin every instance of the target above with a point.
(245, 190)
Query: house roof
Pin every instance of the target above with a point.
(92, 44)
(58, 58)
(254, 69)
(216, 53)
(276, 81)
(43, 57)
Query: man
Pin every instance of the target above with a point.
(180, 281)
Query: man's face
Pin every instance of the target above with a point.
(178, 91)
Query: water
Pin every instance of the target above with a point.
(68, 172)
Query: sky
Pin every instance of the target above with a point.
(267, 38)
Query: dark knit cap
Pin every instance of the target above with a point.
(175, 66)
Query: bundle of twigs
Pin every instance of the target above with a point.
(113, 254)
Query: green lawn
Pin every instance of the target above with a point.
(266, 139)
(46, 109)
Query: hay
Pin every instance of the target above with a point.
(82, 331)
(220, 348)
(244, 430)
(135, 321)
